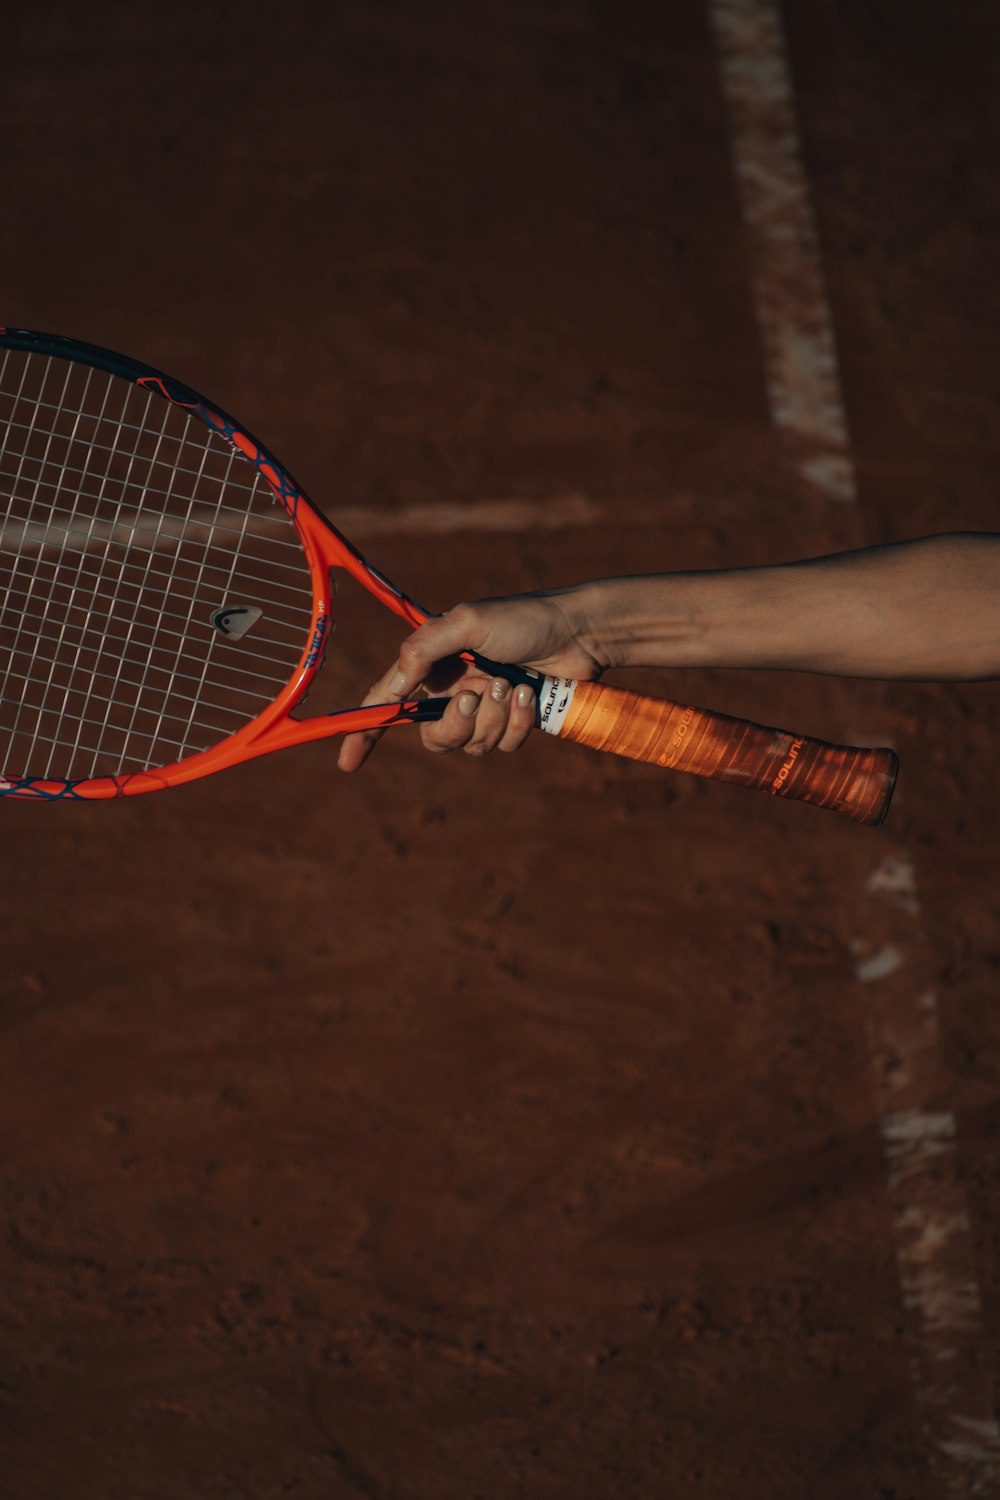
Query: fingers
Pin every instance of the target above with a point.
(520, 721)
(495, 716)
(456, 728)
(434, 641)
(499, 718)
(356, 748)
(430, 643)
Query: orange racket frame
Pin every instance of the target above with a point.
(857, 782)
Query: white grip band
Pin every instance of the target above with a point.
(555, 694)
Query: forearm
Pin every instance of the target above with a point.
(927, 610)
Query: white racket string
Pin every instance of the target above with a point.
(38, 661)
(128, 526)
(95, 696)
(229, 584)
(114, 642)
(61, 648)
(26, 538)
(111, 677)
(194, 594)
(105, 447)
(130, 763)
(142, 697)
(284, 574)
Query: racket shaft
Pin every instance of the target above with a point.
(857, 782)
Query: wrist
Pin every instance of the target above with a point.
(642, 621)
(586, 610)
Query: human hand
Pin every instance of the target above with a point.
(547, 631)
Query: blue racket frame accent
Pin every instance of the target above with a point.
(175, 391)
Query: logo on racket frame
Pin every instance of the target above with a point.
(318, 640)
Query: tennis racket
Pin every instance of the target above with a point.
(165, 608)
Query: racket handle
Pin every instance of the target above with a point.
(857, 782)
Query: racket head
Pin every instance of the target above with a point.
(109, 470)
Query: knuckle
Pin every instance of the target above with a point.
(461, 612)
(436, 746)
(410, 652)
(463, 618)
(484, 743)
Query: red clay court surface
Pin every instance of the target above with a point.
(504, 1129)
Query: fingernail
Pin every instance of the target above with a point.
(524, 696)
(467, 704)
(499, 688)
(398, 683)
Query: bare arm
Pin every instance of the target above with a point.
(927, 609)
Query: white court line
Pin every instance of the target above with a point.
(442, 518)
(934, 1236)
(934, 1244)
(445, 518)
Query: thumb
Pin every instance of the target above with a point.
(440, 637)
(443, 636)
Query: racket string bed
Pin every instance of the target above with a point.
(165, 528)
(69, 469)
(196, 594)
(68, 669)
(32, 504)
(110, 639)
(114, 678)
(285, 612)
(127, 525)
(142, 694)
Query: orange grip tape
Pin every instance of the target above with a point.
(846, 779)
